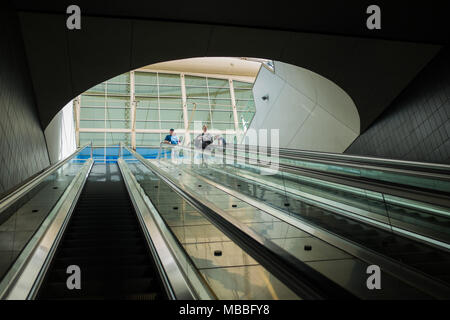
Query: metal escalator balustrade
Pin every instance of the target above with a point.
(273, 226)
(380, 206)
(96, 227)
(431, 260)
(426, 259)
(28, 213)
(429, 176)
(228, 270)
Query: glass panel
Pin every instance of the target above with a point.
(146, 102)
(172, 79)
(92, 101)
(145, 78)
(170, 103)
(219, 93)
(171, 114)
(148, 139)
(201, 103)
(245, 105)
(199, 115)
(117, 124)
(177, 125)
(199, 123)
(195, 81)
(169, 91)
(123, 89)
(146, 90)
(118, 113)
(92, 124)
(220, 104)
(20, 222)
(123, 102)
(243, 94)
(114, 138)
(221, 83)
(92, 113)
(197, 92)
(147, 114)
(245, 118)
(98, 138)
(223, 116)
(242, 85)
(223, 126)
(147, 125)
(98, 89)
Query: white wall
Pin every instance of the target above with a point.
(311, 112)
(60, 134)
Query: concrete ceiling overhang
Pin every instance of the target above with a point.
(65, 63)
(404, 20)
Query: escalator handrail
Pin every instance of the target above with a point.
(25, 276)
(358, 160)
(299, 276)
(18, 192)
(406, 168)
(177, 284)
(381, 186)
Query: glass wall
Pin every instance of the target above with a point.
(105, 111)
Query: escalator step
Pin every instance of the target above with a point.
(104, 239)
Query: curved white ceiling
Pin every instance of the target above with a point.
(310, 111)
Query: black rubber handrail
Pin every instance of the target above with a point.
(435, 197)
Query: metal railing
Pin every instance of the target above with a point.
(183, 280)
(293, 182)
(22, 279)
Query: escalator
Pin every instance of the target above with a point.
(424, 258)
(104, 238)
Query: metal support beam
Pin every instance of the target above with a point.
(133, 111)
(212, 131)
(187, 138)
(235, 115)
(76, 113)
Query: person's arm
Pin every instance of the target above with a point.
(166, 141)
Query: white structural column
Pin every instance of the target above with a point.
(133, 110)
(187, 138)
(76, 111)
(235, 115)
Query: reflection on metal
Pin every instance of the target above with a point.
(24, 277)
(353, 212)
(322, 252)
(355, 165)
(133, 111)
(430, 286)
(9, 199)
(166, 253)
(283, 264)
(427, 236)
